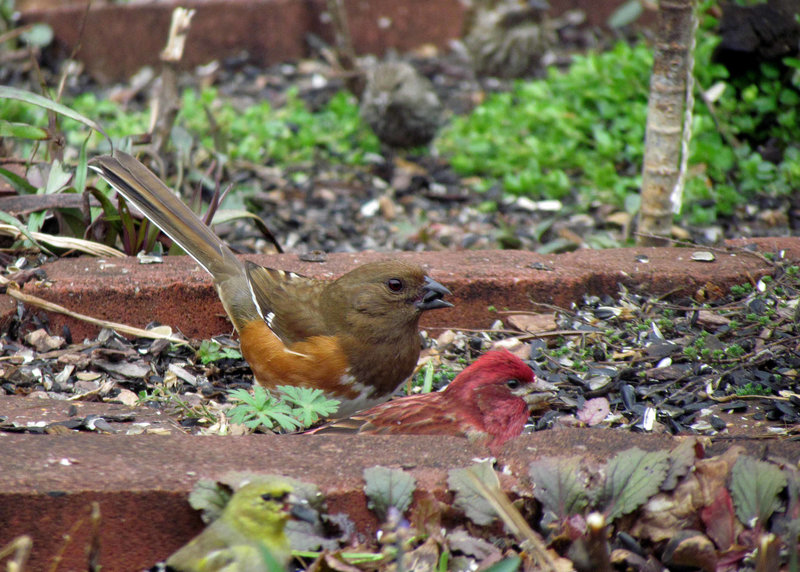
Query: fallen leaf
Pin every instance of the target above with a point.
(468, 498)
(632, 477)
(720, 520)
(387, 488)
(594, 411)
(559, 485)
(44, 342)
(755, 486)
(532, 323)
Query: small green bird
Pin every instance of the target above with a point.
(249, 534)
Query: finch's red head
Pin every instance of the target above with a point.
(491, 394)
(499, 367)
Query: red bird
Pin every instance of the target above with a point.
(488, 401)
(356, 338)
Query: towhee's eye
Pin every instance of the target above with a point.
(513, 383)
(394, 284)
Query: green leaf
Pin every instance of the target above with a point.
(211, 351)
(57, 179)
(559, 485)
(468, 498)
(508, 565)
(308, 404)
(39, 35)
(20, 184)
(632, 477)
(210, 498)
(755, 486)
(625, 14)
(260, 409)
(82, 168)
(7, 92)
(427, 382)
(387, 488)
(22, 131)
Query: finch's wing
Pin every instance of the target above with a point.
(425, 414)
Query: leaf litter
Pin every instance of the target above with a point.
(640, 510)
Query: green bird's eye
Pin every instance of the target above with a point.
(271, 497)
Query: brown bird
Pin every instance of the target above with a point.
(507, 38)
(400, 105)
(356, 337)
(489, 401)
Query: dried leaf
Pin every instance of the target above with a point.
(720, 520)
(681, 459)
(532, 322)
(387, 488)
(44, 342)
(632, 477)
(559, 486)
(481, 550)
(426, 516)
(468, 498)
(755, 486)
(424, 557)
(691, 549)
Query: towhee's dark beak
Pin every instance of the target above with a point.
(432, 295)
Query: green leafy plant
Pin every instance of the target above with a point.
(293, 407)
(260, 409)
(211, 351)
(308, 405)
(753, 389)
(429, 377)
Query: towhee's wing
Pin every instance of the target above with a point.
(289, 302)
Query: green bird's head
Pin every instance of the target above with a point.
(262, 508)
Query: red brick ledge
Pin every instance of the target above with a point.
(142, 482)
(178, 293)
(269, 31)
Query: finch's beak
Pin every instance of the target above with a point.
(537, 394)
(300, 510)
(432, 295)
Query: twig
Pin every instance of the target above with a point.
(166, 103)
(516, 523)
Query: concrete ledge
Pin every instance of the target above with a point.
(178, 293)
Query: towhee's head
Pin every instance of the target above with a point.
(382, 292)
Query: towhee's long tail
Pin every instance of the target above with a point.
(160, 205)
(356, 337)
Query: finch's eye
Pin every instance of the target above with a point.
(513, 383)
(394, 284)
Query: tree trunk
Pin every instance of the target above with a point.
(668, 121)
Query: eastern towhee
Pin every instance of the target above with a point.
(356, 337)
